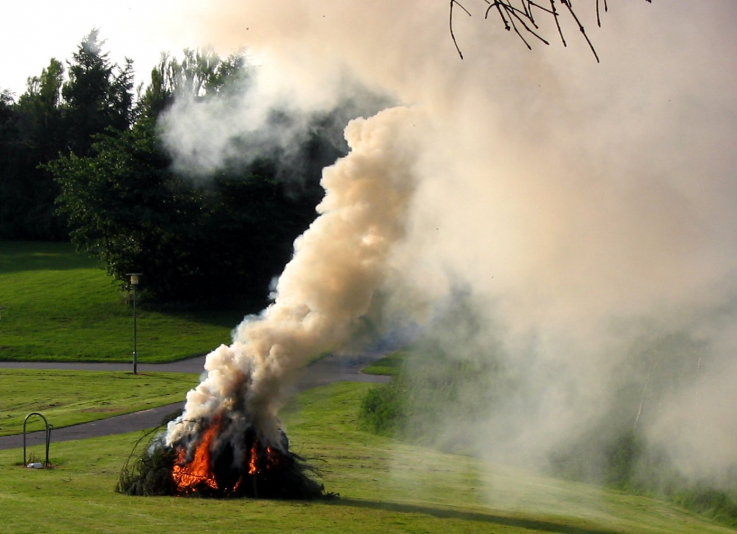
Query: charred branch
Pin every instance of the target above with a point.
(519, 16)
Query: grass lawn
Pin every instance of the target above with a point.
(389, 365)
(56, 305)
(68, 398)
(385, 487)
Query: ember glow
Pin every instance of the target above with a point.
(252, 462)
(198, 475)
(189, 474)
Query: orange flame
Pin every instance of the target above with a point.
(270, 459)
(273, 458)
(198, 470)
(253, 460)
(192, 476)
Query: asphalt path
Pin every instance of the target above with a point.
(333, 368)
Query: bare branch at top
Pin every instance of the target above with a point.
(519, 16)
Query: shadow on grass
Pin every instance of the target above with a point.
(230, 317)
(443, 513)
(222, 312)
(16, 256)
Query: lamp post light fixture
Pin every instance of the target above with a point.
(135, 277)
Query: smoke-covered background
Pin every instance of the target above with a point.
(571, 235)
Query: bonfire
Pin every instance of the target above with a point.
(228, 442)
(216, 465)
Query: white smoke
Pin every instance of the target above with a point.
(586, 207)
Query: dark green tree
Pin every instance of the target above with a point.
(97, 96)
(220, 238)
(55, 117)
(34, 134)
(199, 74)
(193, 243)
(39, 108)
(8, 158)
(125, 207)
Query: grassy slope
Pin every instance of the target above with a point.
(389, 365)
(68, 398)
(59, 306)
(385, 487)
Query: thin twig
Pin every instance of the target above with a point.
(453, 2)
(528, 29)
(501, 14)
(512, 12)
(519, 34)
(541, 8)
(567, 3)
(557, 22)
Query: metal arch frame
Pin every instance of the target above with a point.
(48, 437)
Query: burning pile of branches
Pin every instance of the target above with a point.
(209, 466)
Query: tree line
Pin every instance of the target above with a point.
(81, 159)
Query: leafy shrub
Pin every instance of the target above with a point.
(381, 410)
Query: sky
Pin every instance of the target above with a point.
(34, 31)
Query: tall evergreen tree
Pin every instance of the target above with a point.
(54, 117)
(8, 158)
(40, 113)
(98, 95)
(35, 134)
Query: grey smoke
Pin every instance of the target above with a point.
(246, 122)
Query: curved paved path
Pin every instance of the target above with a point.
(333, 368)
(190, 365)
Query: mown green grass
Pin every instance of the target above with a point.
(60, 306)
(389, 365)
(68, 398)
(385, 487)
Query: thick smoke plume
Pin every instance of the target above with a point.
(324, 292)
(590, 211)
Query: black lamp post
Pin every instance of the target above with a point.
(134, 284)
